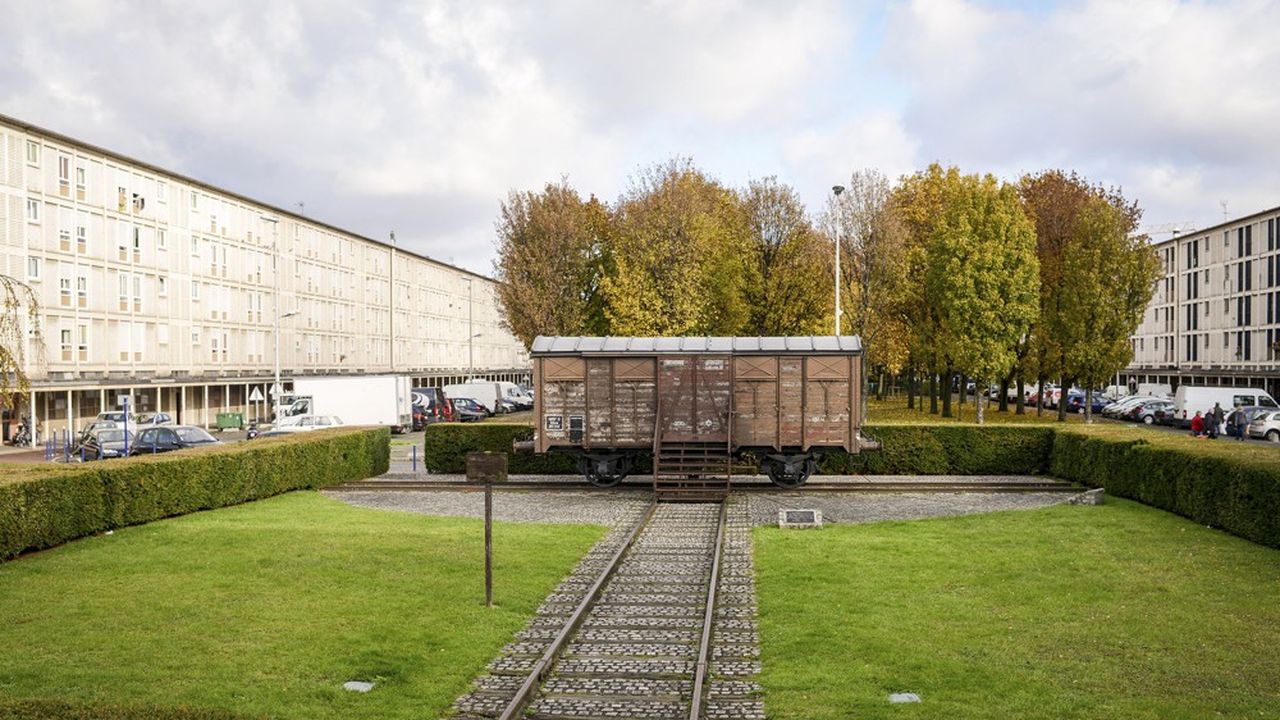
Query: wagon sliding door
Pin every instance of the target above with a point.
(620, 402)
(828, 399)
(694, 398)
(755, 402)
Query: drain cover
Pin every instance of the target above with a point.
(799, 519)
(903, 698)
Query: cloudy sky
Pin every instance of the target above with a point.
(419, 116)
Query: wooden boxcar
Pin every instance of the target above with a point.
(697, 405)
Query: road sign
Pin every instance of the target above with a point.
(122, 400)
(256, 395)
(275, 390)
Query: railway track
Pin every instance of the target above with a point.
(1031, 485)
(639, 634)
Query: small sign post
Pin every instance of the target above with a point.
(487, 468)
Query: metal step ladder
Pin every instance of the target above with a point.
(691, 471)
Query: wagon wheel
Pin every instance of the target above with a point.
(777, 472)
(614, 474)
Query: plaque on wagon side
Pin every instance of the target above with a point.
(486, 467)
(799, 519)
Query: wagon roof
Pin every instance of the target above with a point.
(544, 345)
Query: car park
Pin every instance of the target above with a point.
(95, 426)
(1116, 409)
(170, 437)
(1265, 426)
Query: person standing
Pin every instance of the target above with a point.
(1215, 421)
(1236, 423)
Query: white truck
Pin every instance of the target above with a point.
(485, 392)
(356, 399)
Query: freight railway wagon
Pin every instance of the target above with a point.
(699, 406)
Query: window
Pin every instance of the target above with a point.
(162, 241)
(82, 233)
(65, 341)
(195, 246)
(64, 230)
(195, 201)
(137, 242)
(82, 291)
(33, 268)
(162, 334)
(64, 176)
(162, 286)
(137, 293)
(64, 291)
(33, 152)
(81, 181)
(162, 191)
(82, 342)
(124, 291)
(195, 337)
(122, 197)
(195, 291)
(33, 210)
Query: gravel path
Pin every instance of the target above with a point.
(600, 507)
(593, 508)
(764, 507)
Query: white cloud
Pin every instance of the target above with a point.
(875, 139)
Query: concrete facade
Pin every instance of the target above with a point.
(1215, 315)
(159, 286)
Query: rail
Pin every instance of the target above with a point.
(1031, 485)
(515, 708)
(708, 620)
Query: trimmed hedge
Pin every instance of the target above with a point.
(44, 506)
(908, 450)
(1238, 494)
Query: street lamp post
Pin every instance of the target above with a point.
(275, 305)
(277, 389)
(837, 189)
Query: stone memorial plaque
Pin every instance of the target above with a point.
(486, 467)
(799, 519)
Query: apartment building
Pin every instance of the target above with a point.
(168, 290)
(1215, 315)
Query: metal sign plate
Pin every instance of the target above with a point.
(799, 519)
(486, 467)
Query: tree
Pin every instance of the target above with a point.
(873, 271)
(681, 256)
(1056, 201)
(19, 300)
(982, 276)
(792, 271)
(1109, 277)
(552, 253)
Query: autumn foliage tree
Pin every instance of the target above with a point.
(792, 285)
(681, 256)
(552, 255)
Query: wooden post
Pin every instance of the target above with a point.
(488, 468)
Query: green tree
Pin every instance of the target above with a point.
(552, 252)
(19, 302)
(791, 279)
(982, 276)
(681, 256)
(1109, 277)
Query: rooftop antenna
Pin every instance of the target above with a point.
(302, 208)
(1223, 203)
(393, 238)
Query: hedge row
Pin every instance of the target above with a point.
(908, 450)
(44, 506)
(1240, 494)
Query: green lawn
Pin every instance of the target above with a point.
(1117, 611)
(267, 608)
(894, 411)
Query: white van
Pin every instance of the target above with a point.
(1163, 390)
(1191, 398)
(485, 392)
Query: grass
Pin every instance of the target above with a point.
(267, 608)
(1117, 611)
(893, 411)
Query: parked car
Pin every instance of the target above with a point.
(468, 410)
(1123, 405)
(308, 422)
(1145, 411)
(106, 443)
(1265, 425)
(430, 406)
(153, 419)
(170, 437)
(1198, 398)
(116, 416)
(1076, 403)
(95, 426)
